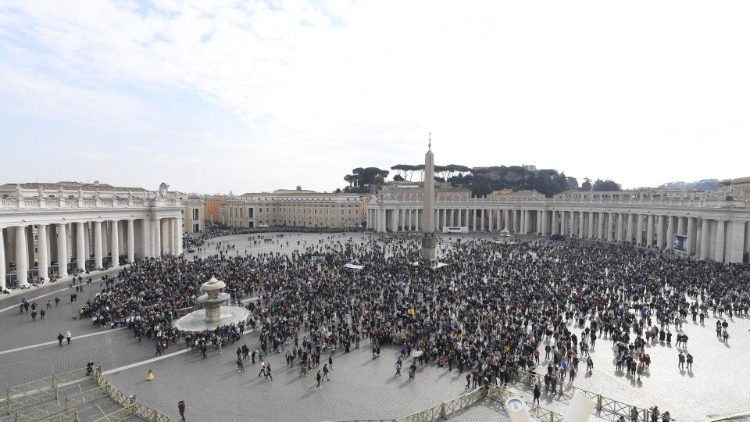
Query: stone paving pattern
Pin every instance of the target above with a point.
(360, 387)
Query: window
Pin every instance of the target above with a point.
(196, 213)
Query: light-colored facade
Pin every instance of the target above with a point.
(717, 229)
(55, 229)
(293, 208)
(194, 214)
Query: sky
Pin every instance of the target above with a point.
(245, 96)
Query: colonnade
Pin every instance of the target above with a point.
(710, 235)
(474, 219)
(41, 251)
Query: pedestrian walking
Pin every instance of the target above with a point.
(68, 336)
(181, 409)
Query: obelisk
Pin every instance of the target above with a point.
(429, 241)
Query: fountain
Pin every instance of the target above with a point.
(213, 313)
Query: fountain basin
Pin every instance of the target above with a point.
(196, 321)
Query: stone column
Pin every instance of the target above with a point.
(563, 223)
(474, 220)
(680, 225)
(146, 237)
(81, 252)
(590, 225)
(691, 233)
(620, 226)
(736, 244)
(649, 230)
(639, 230)
(42, 251)
(581, 224)
(22, 257)
(542, 222)
(481, 219)
(52, 255)
(660, 232)
(156, 235)
(97, 245)
(115, 244)
(131, 241)
(720, 241)
(610, 226)
(175, 229)
(670, 231)
(705, 229)
(600, 226)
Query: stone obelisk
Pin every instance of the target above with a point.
(429, 241)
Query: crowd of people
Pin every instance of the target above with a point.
(488, 312)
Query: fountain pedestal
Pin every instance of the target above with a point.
(214, 313)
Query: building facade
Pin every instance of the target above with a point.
(717, 227)
(194, 214)
(212, 207)
(58, 229)
(293, 208)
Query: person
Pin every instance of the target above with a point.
(689, 362)
(158, 349)
(398, 367)
(318, 377)
(537, 394)
(268, 371)
(240, 364)
(68, 336)
(149, 375)
(681, 361)
(655, 414)
(633, 414)
(325, 372)
(60, 339)
(262, 369)
(181, 409)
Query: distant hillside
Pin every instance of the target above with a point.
(704, 185)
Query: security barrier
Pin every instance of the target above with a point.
(129, 408)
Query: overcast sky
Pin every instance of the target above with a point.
(213, 96)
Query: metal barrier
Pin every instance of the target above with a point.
(129, 408)
(445, 409)
(38, 391)
(606, 408)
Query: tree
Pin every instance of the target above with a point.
(605, 185)
(397, 178)
(586, 185)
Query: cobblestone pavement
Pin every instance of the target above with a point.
(360, 387)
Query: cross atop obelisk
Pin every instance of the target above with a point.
(429, 242)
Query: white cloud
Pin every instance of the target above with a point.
(594, 88)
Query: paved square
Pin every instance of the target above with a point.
(360, 387)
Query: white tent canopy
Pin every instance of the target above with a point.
(354, 266)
